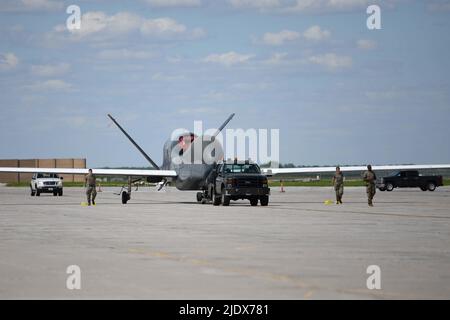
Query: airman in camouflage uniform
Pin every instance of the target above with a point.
(369, 178)
(90, 184)
(338, 183)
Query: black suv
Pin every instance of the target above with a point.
(237, 180)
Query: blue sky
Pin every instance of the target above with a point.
(338, 92)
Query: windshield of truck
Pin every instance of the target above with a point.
(242, 168)
(47, 176)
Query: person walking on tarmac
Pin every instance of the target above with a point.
(90, 184)
(370, 178)
(338, 183)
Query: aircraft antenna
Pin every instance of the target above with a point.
(223, 125)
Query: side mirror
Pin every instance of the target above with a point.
(61, 178)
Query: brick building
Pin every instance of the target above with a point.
(40, 163)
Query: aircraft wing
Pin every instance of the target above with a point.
(275, 171)
(98, 172)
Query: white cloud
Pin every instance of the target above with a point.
(277, 39)
(97, 25)
(250, 86)
(326, 5)
(8, 61)
(50, 70)
(316, 6)
(439, 6)
(30, 5)
(331, 61)
(42, 4)
(51, 85)
(198, 110)
(365, 44)
(125, 54)
(277, 58)
(256, 4)
(174, 3)
(164, 77)
(315, 33)
(228, 59)
(162, 27)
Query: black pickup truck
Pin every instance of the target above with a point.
(409, 179)
(237, 180)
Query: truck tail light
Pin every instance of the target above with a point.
(264, 183)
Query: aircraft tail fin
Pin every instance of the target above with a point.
(134, 143)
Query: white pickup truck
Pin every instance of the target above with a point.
(46, 183)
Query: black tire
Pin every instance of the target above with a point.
(431, 186)
(264, 201)
(423, 188)
(38, 193)
(60, 193)
(254, 202)
(215, 198)
(55, 194)
(125, 197)
(390, 187)
(199, 196)
(32, 192)
(225, 199)
(382, 189)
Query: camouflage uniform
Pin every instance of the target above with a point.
(338, 183)
(90, 182)
(370, 178)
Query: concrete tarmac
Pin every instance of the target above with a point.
(164, 245)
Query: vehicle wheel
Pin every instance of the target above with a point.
(199, 196)
(55, 194)
(60, 193)
(264, 201)
(225, 199)
(431, 186)
(32, 192)
(125, 197)
(382, 189)
(253, 202)
(215, 198)
(423, 188)
(38, 193)
(389, 187)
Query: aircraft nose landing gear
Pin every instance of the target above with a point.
(125, 197)
(126, 194)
